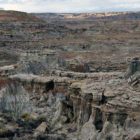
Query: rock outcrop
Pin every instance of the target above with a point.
(65, 79)
(100, 107)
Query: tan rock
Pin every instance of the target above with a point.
(88, 131)
(40, 129)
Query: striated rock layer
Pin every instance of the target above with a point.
(103, 107)
(65, 79)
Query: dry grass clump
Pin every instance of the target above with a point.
(14, 100)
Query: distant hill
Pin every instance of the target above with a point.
(83, 16)
(16, 16)
(90, 37)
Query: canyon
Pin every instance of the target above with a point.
(69, 76)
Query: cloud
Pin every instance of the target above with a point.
(70, 5)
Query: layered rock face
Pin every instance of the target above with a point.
(107, 107)
(67, 80)
(101, 107)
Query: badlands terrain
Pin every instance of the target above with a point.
(69, 76)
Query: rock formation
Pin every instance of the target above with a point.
(103, 106)
(56, 86)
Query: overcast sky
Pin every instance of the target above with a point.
(70, 5)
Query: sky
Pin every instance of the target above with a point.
(70, 6)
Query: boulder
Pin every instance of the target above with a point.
(40, 129)
(88, 131)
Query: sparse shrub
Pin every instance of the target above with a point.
(26, 116)
(14, 100)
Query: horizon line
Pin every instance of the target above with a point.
(76, 12)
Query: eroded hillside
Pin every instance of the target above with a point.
(69, 76)
(103, 43)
